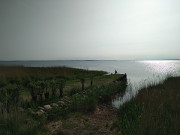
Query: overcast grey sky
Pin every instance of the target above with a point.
(89, 29)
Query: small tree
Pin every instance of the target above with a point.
(40, 87)
(33, 91)
(3, 99)
(46, 93)
(9, 96)
(2, 83)
(61, 87)
(82, 82)
(14, 90)
(53, 87)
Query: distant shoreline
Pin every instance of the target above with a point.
(87, 60)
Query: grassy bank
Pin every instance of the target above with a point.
(154, 111)
(66, 91)
(21, 72)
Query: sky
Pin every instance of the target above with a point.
(89, 29)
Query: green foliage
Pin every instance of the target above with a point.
(40, 83)
(61, 84)
(53, 85)
(85, 104)
(33, 90)
(9, 96)
(154, 111)
(29, 104)
(18, 125)
(82, 80)
(46, 89)
(128, 118)
(60, 133)
(86, 101)
(13, 80)
(56, 113)
(2, 83)
(105, 93)
(73, 91)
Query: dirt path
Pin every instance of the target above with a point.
(104, 115)
(97, 123)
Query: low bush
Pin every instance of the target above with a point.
(73, 91)
(16, 124)
(57, 113)
(101, 94)
(85, 104)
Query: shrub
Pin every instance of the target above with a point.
(56, 113)
(61, 84)
(17, 124)
(53, 85)
(9, 96)
(33, 91)
(73, 91)
(84, 104)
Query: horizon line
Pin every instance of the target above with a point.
(87, 60)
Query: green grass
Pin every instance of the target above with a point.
(37, 81)
(21, 72)
(96, 95)
(19, 124)
(154, 111)
(128, 118)
(86, 103)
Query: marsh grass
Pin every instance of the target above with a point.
(155, 110)
(45, 72)
(17, 123)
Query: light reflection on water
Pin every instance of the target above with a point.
(139, 73)
(157, 72)
(160, 66)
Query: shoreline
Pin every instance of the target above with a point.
(154, 110)
(85, 110)
(84, 94)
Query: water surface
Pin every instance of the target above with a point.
(139, 73)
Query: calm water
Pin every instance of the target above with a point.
(140, 73)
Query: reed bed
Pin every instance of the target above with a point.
(154, 110)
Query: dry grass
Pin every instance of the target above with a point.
(154, 111)
(20, 71)
(162, 108)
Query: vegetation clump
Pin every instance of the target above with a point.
(155, 110)
(36, 96)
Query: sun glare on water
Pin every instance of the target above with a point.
(160, 66)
